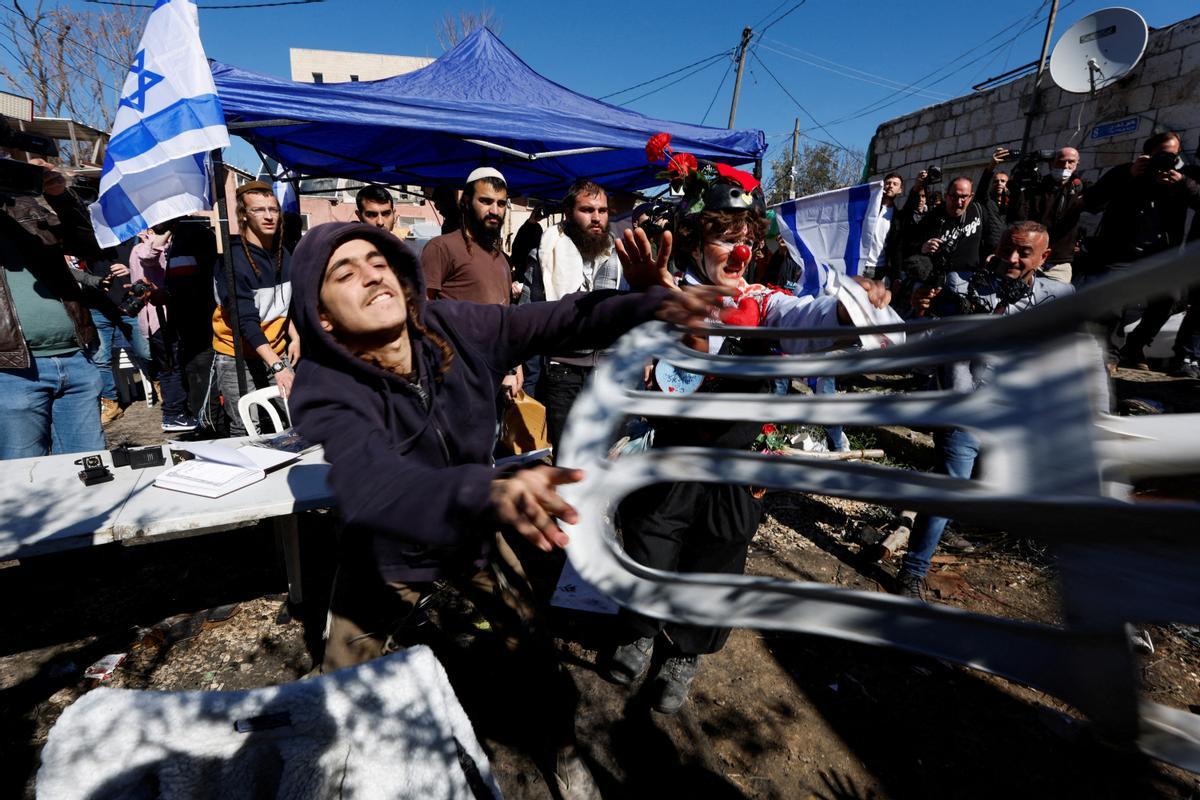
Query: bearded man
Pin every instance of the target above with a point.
(468, 264)
(576, 255)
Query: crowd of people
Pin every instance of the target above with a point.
(401, 366)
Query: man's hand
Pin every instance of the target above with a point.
(932, 246)
(54, 182)
(118, 271)
(527, 501)
(922, 298)
(1138, 168)
(922, 175)
(999, 155)
(160, 241)
(511, 384)
(642, 270)
(284, 379)
(879, 294)
(692, 306)
(1169, 176)
(515, 290)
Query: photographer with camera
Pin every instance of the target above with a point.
(1009, 283)
(951, 233)
(1054, 199)
(1145, 207)
(48, 384)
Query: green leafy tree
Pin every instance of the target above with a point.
(819, 168)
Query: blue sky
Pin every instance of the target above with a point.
(832, 56)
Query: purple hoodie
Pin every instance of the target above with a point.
(412, 464)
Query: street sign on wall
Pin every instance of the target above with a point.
(1107, 130)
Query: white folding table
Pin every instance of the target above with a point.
(45, 508)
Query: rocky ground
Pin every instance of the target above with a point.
(772, 715)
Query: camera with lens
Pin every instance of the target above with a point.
(933, 176)
(17, 178)
(135, 298)
(1162, 162)
(1027, 173)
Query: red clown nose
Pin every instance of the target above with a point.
(741, 254)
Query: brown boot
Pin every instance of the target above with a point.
(109, 410)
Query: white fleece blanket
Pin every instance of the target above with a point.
(562, 264)
(389, 728)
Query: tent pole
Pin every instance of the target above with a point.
(218, 182)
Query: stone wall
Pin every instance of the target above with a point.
(1161, 93)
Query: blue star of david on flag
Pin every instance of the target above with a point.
(145, 80)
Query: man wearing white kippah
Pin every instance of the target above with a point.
(468, 264)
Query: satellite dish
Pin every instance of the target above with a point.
(1099, 50)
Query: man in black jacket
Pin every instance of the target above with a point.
(1145, 207)
(1056, 201)
(951, 234)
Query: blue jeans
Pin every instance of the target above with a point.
(956, 452)
(125, 334)
(835, 437)
(50, 407)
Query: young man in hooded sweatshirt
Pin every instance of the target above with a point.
(400, 391)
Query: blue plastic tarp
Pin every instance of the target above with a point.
(413, 129)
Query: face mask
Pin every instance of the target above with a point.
(1062, 174)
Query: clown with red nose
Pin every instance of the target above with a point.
(705, 526)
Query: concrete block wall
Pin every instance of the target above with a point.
(1162, 93)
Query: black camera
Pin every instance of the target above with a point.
(1032, 155)
(135, 298)
(93, 471)
(1162, 162)
(1027, 173)
(17, 178)
(933, 175)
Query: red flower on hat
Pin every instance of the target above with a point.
(744, 179)
(658, 146)
(682, 165)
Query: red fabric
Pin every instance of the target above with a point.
(744, 179)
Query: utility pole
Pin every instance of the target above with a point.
(795, 155)
(737, 84)
(1035, 96)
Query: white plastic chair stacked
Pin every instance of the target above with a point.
(1055, 466)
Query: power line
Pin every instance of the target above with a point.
(665, 75)
(899, 95)
(842, 69)
(769, 14)
(710, 63)
(66, 64)
(799, 105)
(211, 8)
(717, 93)
(778, 19)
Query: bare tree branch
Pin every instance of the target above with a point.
(452, 29)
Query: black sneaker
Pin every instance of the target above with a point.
(910, 585)
(1187, 369)
(952, 541)
(178, 423)
(628, 662)
(673, 682)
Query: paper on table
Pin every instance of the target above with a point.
(218, 470)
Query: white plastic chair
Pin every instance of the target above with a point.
(261, 398)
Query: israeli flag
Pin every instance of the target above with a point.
(284, 187)
(169, 118)
(841, 231)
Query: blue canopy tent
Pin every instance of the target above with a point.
(477, 104)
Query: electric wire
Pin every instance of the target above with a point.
(717, 93)
(666, 75)
(842, 69)
(887, 100)
(684, 77)
(66, 64)
(799, 105)
(226, 7)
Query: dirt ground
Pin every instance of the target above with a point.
(772, 715)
